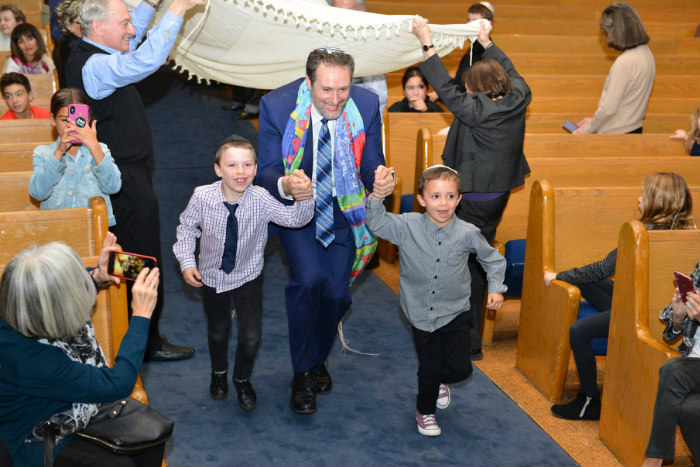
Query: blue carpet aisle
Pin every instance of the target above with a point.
(368, 419)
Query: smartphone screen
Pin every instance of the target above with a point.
(570, 126)
(80, 115)
(128, 265)
(685, 284)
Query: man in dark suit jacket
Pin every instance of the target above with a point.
(317, 294)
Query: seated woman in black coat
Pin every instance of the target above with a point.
(415, 88)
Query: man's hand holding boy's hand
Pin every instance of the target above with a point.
(383, 182)
(494, 301)
(298, 185)
(192, 277)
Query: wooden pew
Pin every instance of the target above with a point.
(570, 85)
(582, 44)
(546, 313)
(458, 10)
(26, 131)
(619, 146)
(17, 157)
(399, 139)
(643, 286)
(588, 105)
(84, 229)
(552, 122)
(586, 86)
(14, 192)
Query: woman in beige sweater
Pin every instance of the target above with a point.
(625, 97)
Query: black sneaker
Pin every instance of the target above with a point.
(581, 408)
(218, 387)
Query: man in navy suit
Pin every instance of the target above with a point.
(317, 294)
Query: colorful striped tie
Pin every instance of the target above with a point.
(324, 187)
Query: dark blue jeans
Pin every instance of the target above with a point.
(218, 306)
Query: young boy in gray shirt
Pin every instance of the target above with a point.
(434, 282)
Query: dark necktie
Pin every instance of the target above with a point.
(228, 261)
(324, 187)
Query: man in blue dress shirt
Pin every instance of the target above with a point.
(106, 64)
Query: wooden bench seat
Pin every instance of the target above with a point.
(664, 124)
(566, 228)
(18, 157)
(577, 12)
(401, 133)
(14, 192)
(644, 285)
(588, 105)
(26, 131)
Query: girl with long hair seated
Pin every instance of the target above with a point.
(665, 204)
(28, 51)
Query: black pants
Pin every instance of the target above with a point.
(443, 357)
(485, 215)
(79, 452)
(599, 295)
(138, 231)
(248, 301)
(678, 378)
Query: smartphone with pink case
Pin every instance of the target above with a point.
(80, 115)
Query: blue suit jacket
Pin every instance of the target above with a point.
(275, 108)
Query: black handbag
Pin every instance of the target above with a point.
(127, 426)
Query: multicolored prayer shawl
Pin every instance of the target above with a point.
(347, 158)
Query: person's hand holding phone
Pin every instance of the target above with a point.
(87, 136)
(64, 142)
(692, 305)
(109, 245)
(144, 293)
(192, 277)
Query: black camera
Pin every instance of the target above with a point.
(71, 109)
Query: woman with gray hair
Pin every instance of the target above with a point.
(53, 369)
(623, 103)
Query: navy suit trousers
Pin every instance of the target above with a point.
(318, 294)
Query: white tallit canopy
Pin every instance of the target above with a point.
(264, 43)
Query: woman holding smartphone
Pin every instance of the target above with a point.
(53, 369)
(678, 378)
(76, 167)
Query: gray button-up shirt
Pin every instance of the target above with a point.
(434, 282)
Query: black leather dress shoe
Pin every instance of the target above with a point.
(246, 395)
(303, 399)
(168, 352)
(218, 387)
(324, 383)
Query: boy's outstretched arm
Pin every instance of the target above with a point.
(384, 182)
